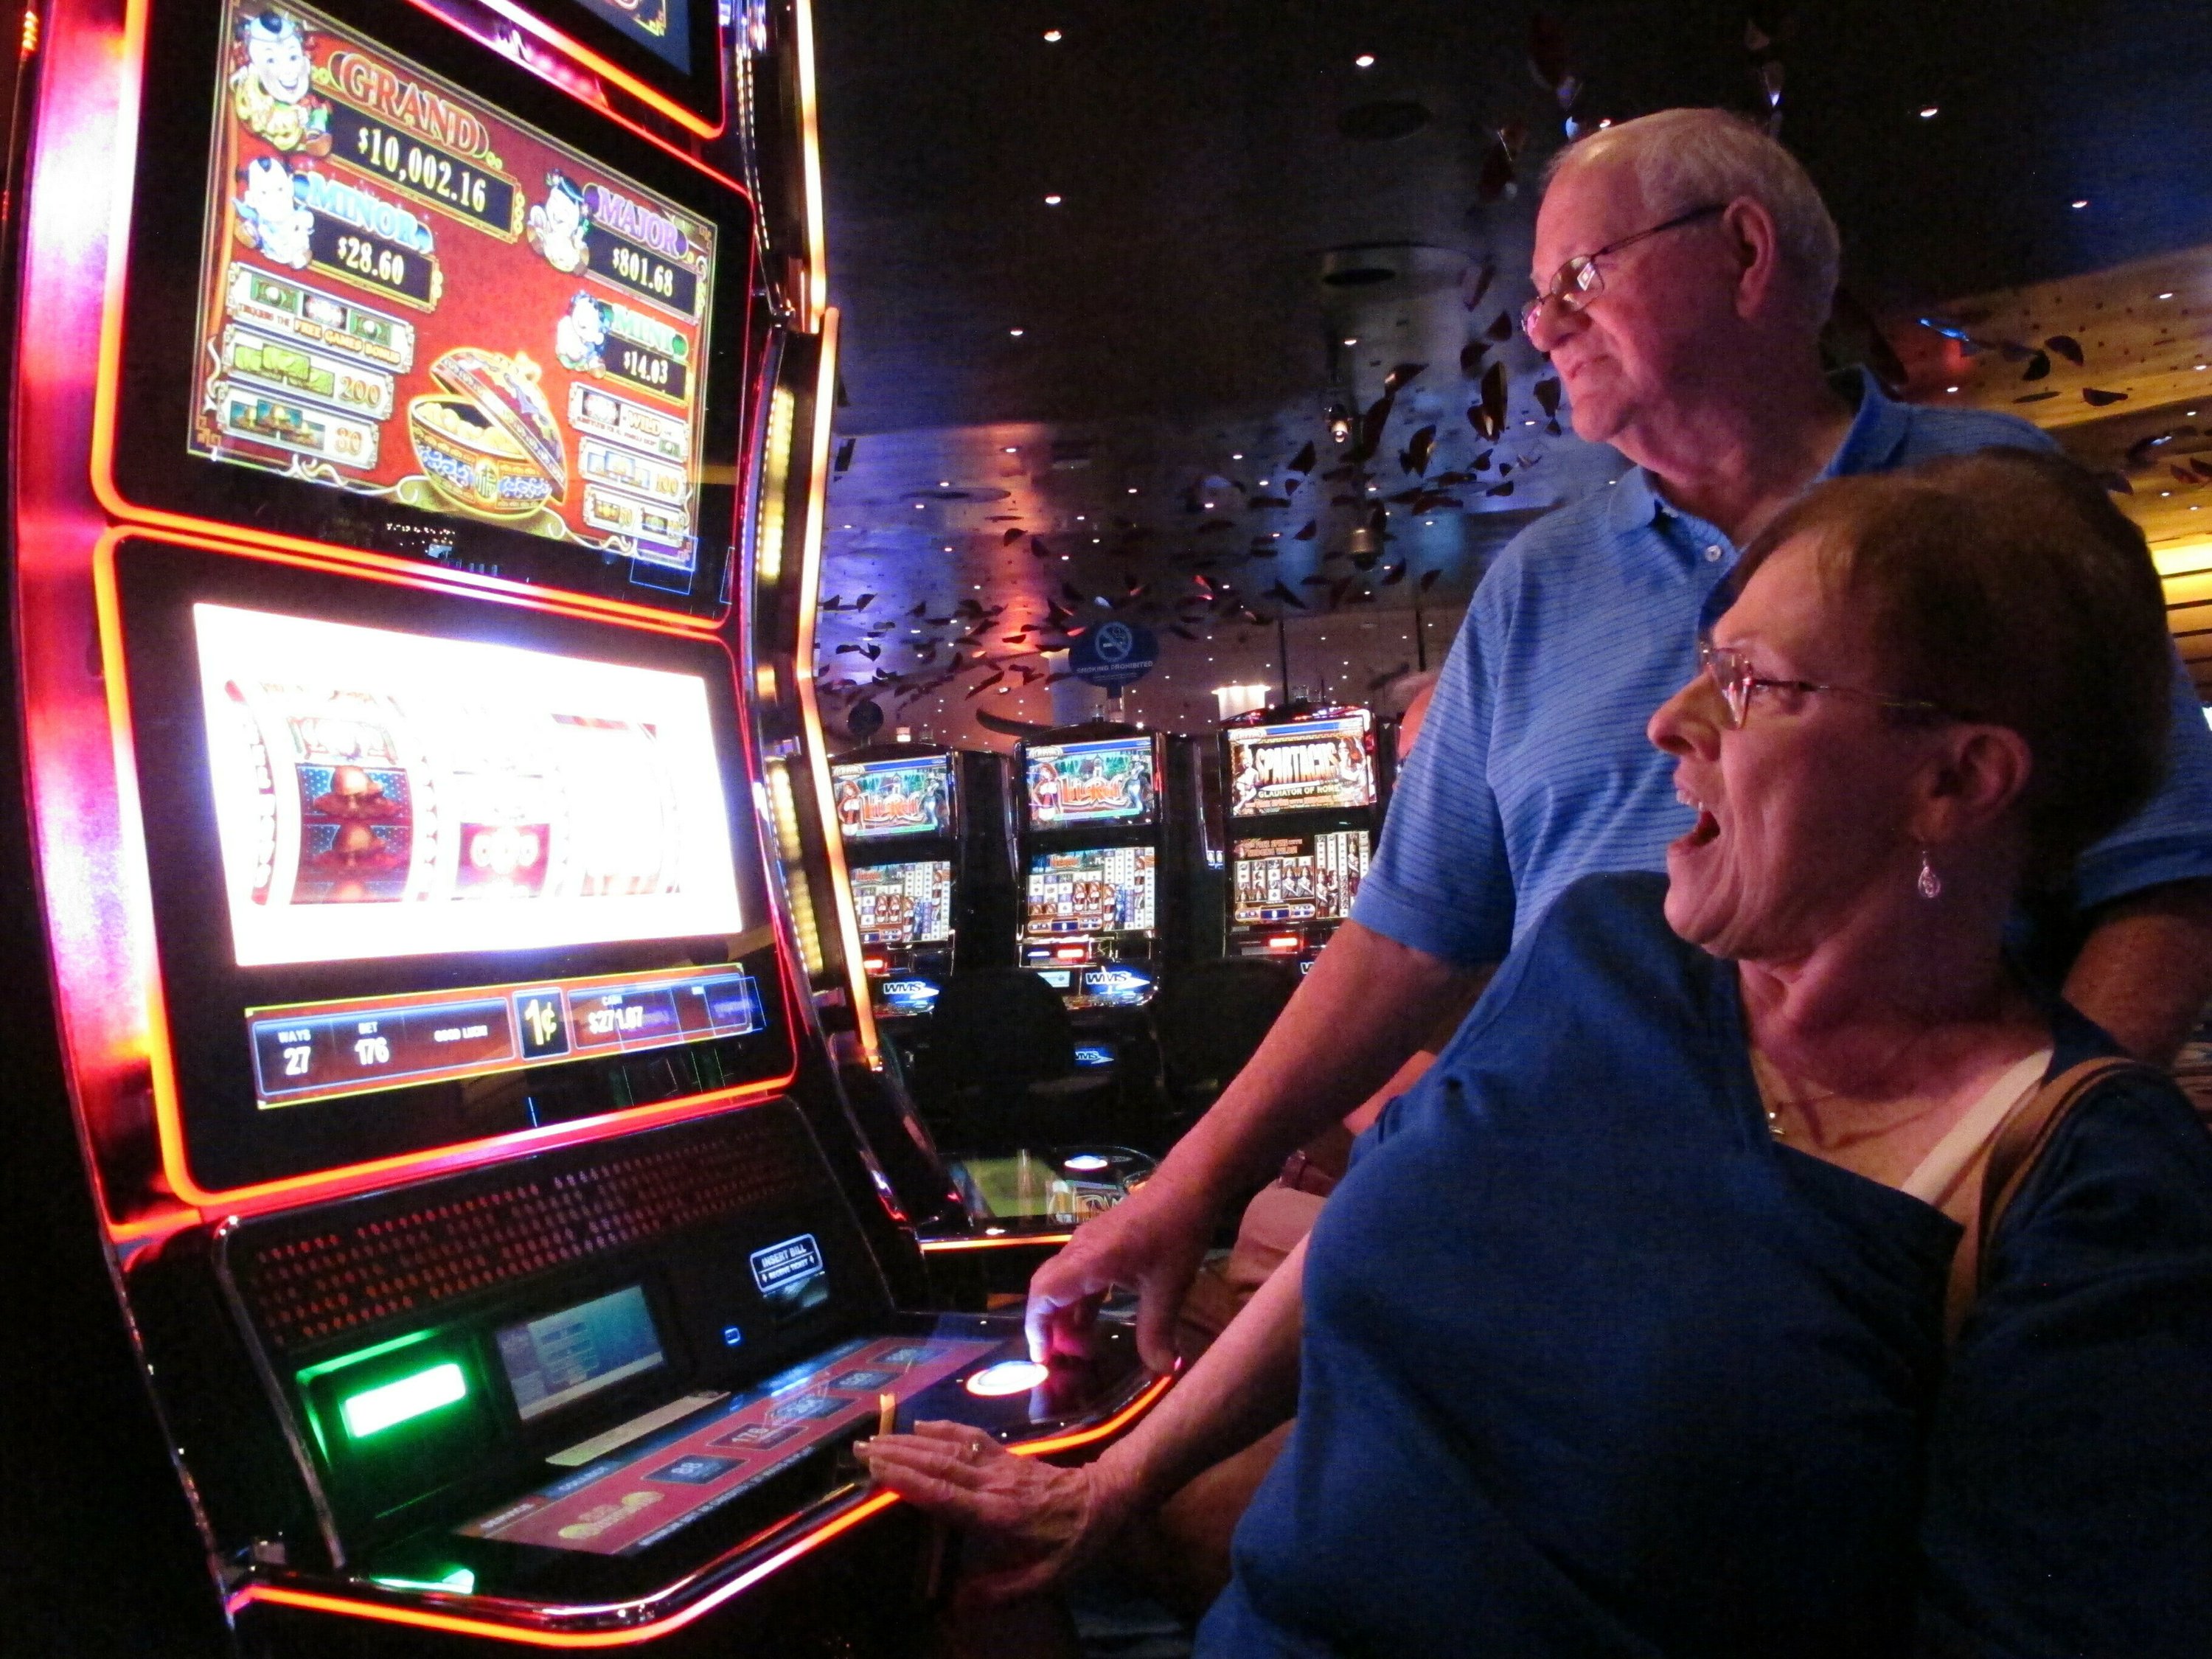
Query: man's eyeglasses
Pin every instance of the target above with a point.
(1578, 282)
(1731, 671)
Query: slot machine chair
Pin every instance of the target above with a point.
(1211, 1017)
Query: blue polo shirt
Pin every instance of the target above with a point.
(1534, 770)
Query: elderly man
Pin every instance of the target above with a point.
(1684, 264)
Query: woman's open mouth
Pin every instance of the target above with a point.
(1704, 831)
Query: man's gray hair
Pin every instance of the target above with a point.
(1686, 158)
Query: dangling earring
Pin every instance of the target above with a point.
(1930, 883)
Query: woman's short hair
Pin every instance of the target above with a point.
(2004, 586)
(1686, 158)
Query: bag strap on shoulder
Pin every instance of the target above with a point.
(2014, 1151)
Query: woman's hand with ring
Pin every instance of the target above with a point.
(1044, 1520)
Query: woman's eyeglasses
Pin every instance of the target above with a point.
(1579, 281)
(1731, 671)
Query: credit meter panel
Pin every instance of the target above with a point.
(423, 874)
(422, 323)
(1304, 806)
(1094, 833)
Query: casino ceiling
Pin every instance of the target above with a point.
(1199, 314)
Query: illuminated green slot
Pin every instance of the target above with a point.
(374, 1410)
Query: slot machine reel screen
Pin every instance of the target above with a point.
(903, 904)
(422, 325)
(1093, 890)
(1299, 877)
(1114, 780)
(425, 871)
(1305, 766)
(889, 800)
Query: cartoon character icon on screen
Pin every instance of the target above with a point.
(269, 216)
(354, 794)
(271, 89)
(581, 336)
(560, 224)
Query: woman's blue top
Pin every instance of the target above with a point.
(1593, 1365)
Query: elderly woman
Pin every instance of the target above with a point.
(1625, 1335)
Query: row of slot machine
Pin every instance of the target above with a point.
(1100, 856)
(448, 1204)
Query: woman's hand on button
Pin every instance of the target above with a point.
(1038, 1521)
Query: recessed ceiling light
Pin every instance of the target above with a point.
(1354, 340)
(1010, 450)
(1052, 34)
(1052, 201)
(1929, 113)
(2083, 203)
(944, 484)
(1239, 456)
(1016, 333)
(1365, 60)
(1950, 388)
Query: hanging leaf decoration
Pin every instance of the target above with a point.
(1476, 283)
(1288, 597)
(1547, 395)
(2067, 346)
(864, 602)
(1307, 531)
(1303, 460)
(2039, 365)
(1428, 579)
(1501, 327)
(1415, 459)
(2098, 398)
(1470, 358)
(1395, 574)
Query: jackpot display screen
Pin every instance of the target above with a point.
(379, 793)
(881, 800)
(1301, 767)
(407, 295)
(903, 904)
(1114, 780)
(1299, 877)
(1094, 889)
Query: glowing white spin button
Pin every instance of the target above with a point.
(1007, 1376)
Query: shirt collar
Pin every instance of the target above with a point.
(1877, 433)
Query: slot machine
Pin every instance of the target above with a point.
(1094, 833)
(1305, 801)
(929, 846)
(439, 1013)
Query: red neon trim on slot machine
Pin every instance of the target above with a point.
(1005, 1241)
(818, 750)
(278, 1595)
(168, 1115)
(875, 1504)
(621, 79)
(810, 167)
(607, 69)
